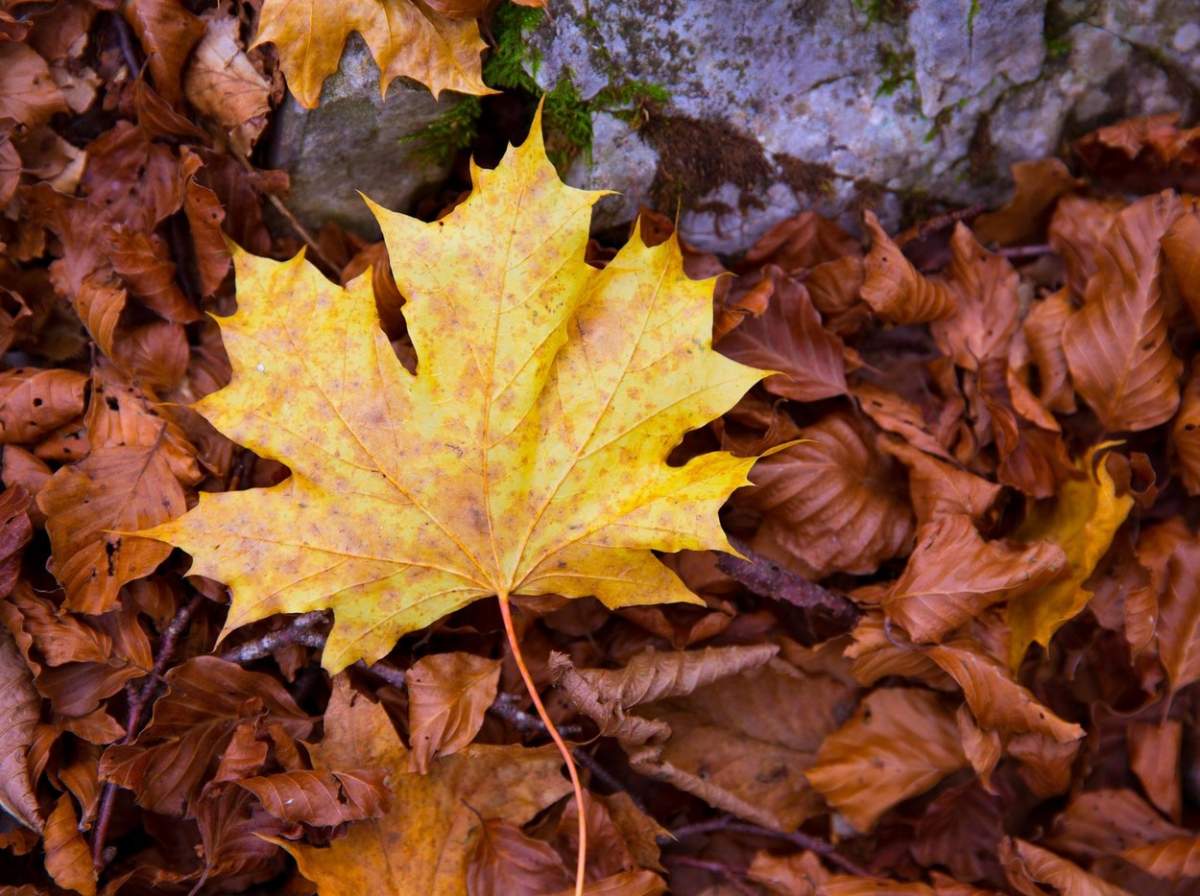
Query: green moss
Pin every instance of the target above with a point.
(971, 14)
(567, 115)
(449, 132)
(1057, 47)
(898, 69)
(891, 11)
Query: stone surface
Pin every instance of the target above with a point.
(355, 141)
(782, 105)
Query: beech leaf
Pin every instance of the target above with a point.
(448, 694)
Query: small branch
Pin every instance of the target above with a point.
(730, 875)
(797, 838)
(767, 579)
(506, 708)
(1033, 251)
(139, 701)
(297, 631)
(125, 42)
(937, 222)
(313, 248)
(385, 672)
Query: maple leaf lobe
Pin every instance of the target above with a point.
(527, 455)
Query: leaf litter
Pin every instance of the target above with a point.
(836, 575)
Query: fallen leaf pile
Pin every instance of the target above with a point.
(904, 601)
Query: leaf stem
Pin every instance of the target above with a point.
(572, 770)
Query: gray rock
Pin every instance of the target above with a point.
(783, 105)
(355, 141)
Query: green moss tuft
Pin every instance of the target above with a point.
(448, 133)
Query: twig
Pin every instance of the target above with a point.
(937, 222)
(1032, 251)
(125, 42)
(588, 761)
(720, 869)
(138, 702)
(297, 631)
(313, 248)
(385, 672)
(767, 579)
(802, 840)
(506, 708)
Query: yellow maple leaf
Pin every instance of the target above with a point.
(405, 37)
(423, 844)
(1082, 521)
(528, 453)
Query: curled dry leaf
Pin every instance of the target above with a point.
(20, 709)
(829, 503)
(1043, 328)
(742, 743)
(423, 844)
(996, 700)
(34, 403)
(1037, 184)
(939, 489)
(1173, 859)
(1116, 345)
(506, 861)
(223, 84)
(1103, 822)
(604, 695)
(405, 37)
(1154, 753)
(894, 289)
(168, 32)
(1082, 521)
(28, 92)
(1179, 613)
(899, 743)
(953, 575)
(986, 305)
(448, 694)
(133, 477)
(193, 722)
(68, 860)
(1026, 866)
(788, 337)
(1185, 434)
(321, 797)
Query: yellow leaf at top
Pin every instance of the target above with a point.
(405, 37)
(528, 455)
(1082, 521)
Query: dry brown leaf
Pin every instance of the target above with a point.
(742, 743)
(27, 89)
(940, 489)
(34, 403)
(894, 414)
(422, 846)
(1101, 822)
(1116, 344)
(953, 575)
(830, 503)
(223, 84)
(321, 797)
(1077, 229)
(20, 710)
(877, 653)
(68, 859)
(997, 701)
(627, 883)
(1026, 866)
(168, 32)
(143, 262)
(1179, 245)
(1043, 327)
(448, 694)
(604, 695)
(893, 287)
(192, 723)
(1168, 859)
(506, 861)
(986, 305)
(1154, 751)
(1037, 184)
(1185, 434)
(900, 743)
(788, 337)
